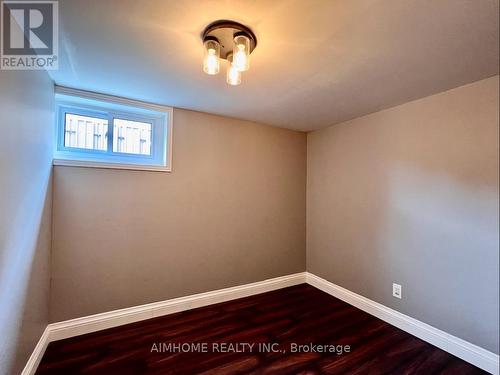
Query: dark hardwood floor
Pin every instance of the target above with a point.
(291, 316)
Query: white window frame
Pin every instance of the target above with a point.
(108, 107)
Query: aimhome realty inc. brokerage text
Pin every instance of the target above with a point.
(247, 347)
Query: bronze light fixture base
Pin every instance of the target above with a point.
(224, 32)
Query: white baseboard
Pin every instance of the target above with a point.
(36, 356)
(97, 322)
(471, 353)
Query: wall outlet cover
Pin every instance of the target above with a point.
(396, 291)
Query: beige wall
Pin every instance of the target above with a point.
(26, 123)
(231, 212)
(410, 195)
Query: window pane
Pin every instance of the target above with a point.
(85, 132)
(131, 137)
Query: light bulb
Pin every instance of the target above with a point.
(233, 77)
(241, 52)
(211, 59)
(212, 63)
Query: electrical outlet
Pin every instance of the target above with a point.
(396, 291)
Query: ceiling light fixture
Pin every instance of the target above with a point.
(230, 41)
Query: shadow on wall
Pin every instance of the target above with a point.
(24, 275)
(442, 216)
(448, 229)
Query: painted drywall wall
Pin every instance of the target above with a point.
(231, 212)
(410, 195)
(26, 121)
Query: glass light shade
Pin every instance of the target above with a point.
(211, 63)
(241, 53)
(233, 74)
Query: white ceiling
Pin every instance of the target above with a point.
(318, 62)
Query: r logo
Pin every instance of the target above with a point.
(29, 28)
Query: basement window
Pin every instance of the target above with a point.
(101, 131)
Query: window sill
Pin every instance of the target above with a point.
(93, 164)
